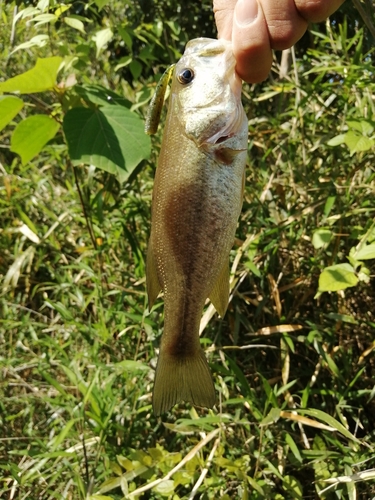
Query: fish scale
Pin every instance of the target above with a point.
(197, 199)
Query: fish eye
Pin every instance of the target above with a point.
(185, 76)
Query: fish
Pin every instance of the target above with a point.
(196, 203)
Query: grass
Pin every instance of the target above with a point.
(294, 373)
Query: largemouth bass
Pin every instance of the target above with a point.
(197, 199)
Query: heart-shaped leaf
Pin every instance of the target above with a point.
(40, 78)
(112, 138)
(338, 277)
(9, 107)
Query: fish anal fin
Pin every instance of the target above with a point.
(219, 295)
(152, 280)
(182, 378)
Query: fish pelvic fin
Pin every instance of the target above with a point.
(152, 280)
(185, 378)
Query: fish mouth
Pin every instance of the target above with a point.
(224, 125)
(232, 126)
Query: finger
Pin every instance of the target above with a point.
(251, 45)
(316, 11)
(285, 24)
(223, 10)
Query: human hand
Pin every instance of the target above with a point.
(258, 26)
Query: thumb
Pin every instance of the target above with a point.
(251, 43)
(223, 11)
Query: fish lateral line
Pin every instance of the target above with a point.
(157, 101)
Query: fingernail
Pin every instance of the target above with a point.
(246, 12)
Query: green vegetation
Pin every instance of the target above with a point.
(293, 360)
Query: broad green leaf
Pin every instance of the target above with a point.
(329, 420)
(165, 488)
(9, 107)
(255, 485)
(293, 487)
(338, 277)
(125, 462)
(126, 36)
(124, 61)
(36, 41)
(135, 69)
(321, 238)
(24, 13)
(61, 9)
(366, 252)
(363, 126)
(101, 3)
(182, 477)
(329, 205)
(337, 140)
(358, 142)
(101, 39)
(44, 4)
(112, 138)
(110, 484)
(75, 23)
(44, 18)
(40, 78)
(31, 135)
(100, 95)
(253, 268)
(364, 274)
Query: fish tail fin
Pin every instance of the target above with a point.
(182, 379)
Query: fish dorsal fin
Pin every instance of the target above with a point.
(157, 101)
(152, 280)
(219, 295)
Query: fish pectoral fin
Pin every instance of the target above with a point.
(226, 155)
(185, 378)
(153, 284)
(219, 295)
